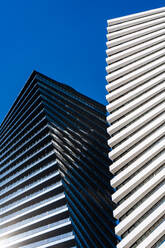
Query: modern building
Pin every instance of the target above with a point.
(54, 170)
(136, 106)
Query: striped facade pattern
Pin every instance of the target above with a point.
(136, 107)
(54, 181)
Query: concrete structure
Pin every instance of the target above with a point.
(54, 180)
(136, 106)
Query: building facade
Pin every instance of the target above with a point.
(54, 180)
(136, 106)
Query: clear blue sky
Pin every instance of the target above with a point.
(64, 39)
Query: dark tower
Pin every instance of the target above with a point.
(54, 170)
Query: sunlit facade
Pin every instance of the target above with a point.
(136, 106)
(54, 170)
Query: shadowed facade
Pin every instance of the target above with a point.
(54, 170)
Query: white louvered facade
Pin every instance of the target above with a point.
(136, 107)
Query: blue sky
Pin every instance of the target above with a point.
(64, 39)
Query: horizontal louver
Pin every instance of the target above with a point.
(136, 106)
(54, 182)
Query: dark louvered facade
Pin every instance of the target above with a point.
(54, 170)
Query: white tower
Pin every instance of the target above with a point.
(136, 106)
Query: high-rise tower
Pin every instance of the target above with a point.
(136, 97)
(54, 175)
